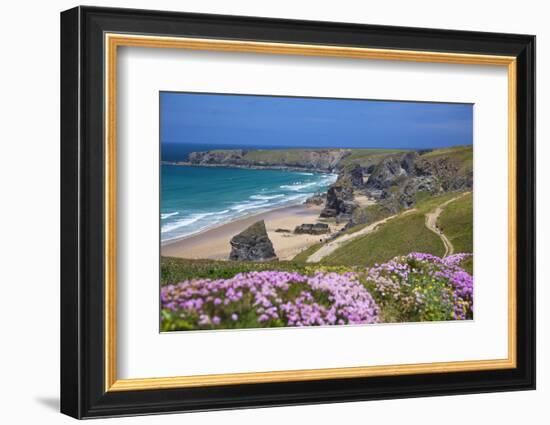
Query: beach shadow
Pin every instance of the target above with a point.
(49, 402)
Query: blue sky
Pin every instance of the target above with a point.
(312, 122)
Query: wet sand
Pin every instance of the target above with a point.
(214, 243)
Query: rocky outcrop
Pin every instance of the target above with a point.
(451, 173)
(354, 172)
(252, 244)
(223, 157)
(339, 202)
(389, 172)
(408, 162)
(398, 179)
(312, 229)
(452, 167)
(359, 216)
(404, 195)
(393, 179)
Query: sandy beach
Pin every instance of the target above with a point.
(214, 243)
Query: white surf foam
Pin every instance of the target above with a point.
(166, 215)
(249, 205)
(266, 197)
(194, 218)
(298, 186)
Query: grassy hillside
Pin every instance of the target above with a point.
(367, 157)
(173, 270)
(398, 236)
(277, 156)
(456, 221)
(306, 253)
(461, 154)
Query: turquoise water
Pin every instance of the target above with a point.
(196, 198)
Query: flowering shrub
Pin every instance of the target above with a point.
(267, 299)
(421, 287)
(416, 287)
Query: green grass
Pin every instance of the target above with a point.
(468, 265)
(457, 152)
(456, 221)
(424, 202)
(427, 204)
(173, 270)
(306, 253)
(399, 236)
(422, 196)
(463, 155)
(367, 157)
(374, 213)
(276, 156)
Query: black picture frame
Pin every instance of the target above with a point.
(82, 219)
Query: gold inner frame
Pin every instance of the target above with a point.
(113, 41)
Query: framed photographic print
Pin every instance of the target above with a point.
(261, 212)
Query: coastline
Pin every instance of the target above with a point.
(250, 167)
(213, 243)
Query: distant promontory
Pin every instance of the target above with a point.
(315, 160)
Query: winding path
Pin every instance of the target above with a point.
(333, 245)
(431, 224)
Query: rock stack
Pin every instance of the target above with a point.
(339, 201)
(355, 174)
(252, 244)
(312, 229)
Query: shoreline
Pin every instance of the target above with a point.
(217, 225)
(213, 243)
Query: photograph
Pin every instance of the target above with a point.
(281, 211)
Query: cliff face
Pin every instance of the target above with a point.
(340, 199)
(354, 172)
(324, 160)
(389, 171)
(229, 157)
(451, 167)
(397, 178)
(450, 172)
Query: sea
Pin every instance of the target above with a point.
(194, 199)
